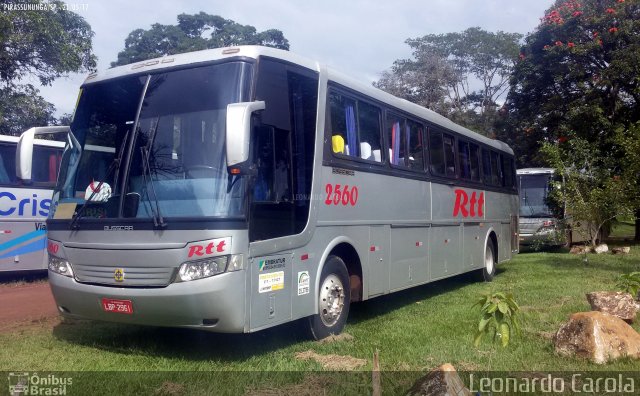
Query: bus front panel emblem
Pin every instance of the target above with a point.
(118, 275)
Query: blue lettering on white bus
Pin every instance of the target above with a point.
(27, 206)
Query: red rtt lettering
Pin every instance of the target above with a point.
(472, 207)
(461, 203)
(221, 246)
(481, 205)
(210, 248)
(195, 250)
(52, 248)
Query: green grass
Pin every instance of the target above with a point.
(414, 330)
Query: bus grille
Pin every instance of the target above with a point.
(133, 277)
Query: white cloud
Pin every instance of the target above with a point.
(358, 37)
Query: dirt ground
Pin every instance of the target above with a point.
(25, 304)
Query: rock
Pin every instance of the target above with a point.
(602, 248)
(621, 250)
(617, 304)
(580, 249)
(441, 381)
(597, 336)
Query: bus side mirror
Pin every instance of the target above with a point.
(24, 151)
(238, 133)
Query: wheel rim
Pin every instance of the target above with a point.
(488, 260)
(331, 300)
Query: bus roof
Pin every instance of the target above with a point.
(254, 52)
(535, 171)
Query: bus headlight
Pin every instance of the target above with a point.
(60, 266)
(193, 270)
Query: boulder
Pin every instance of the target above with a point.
(597, 336)
(580, 249)
(621, 250)
(618, 304)
(441, 381)
(602, 248)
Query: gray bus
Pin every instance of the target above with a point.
(250, 187)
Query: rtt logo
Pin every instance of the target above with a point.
(466, 207)
(209, 248)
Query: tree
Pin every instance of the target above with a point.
(578, 79)
(41, 39)
(446, 68)
(192, 33)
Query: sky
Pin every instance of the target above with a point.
(360, 38)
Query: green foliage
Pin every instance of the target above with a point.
(193, 33)
(46, 44)
(576, 78)
(443, 66)
(592, 191)
(500, 317)
(629, 283)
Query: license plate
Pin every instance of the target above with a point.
(117, 306)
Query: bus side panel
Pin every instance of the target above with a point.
(409, 264)
(472, 248)
(446, 240)
(22, 246)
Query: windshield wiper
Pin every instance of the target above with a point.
(158, 220)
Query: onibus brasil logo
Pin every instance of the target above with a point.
(38, 384)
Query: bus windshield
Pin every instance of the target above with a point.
(174, 162)
(533, 196)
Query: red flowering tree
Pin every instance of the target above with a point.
(578, 78)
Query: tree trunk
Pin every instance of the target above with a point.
(637, 236)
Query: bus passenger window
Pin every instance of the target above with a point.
(436, 153)
(343, 124)
(396, 133)
(486, 167)
(416, 155)
(449, 156)
(369, 134)
(496, 175)
(464, 160)
(475, 162)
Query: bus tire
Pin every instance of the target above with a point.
(334, 296)
(487, 272)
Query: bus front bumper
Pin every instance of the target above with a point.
(214, 304)
(541, 239)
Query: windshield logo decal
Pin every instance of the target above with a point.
(118, 275)
(211, 247)
(473, 207)
(118, 228)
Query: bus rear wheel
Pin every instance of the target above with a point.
(487, 273)
(334, 297)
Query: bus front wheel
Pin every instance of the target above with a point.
(334, 297)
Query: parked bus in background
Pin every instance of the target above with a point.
(25, 207)
(274, 189)
(539, 225)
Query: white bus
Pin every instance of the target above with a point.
(250, 187)
(539, 225)
(25, 207)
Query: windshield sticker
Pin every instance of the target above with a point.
(65, 210)
(272, 281)
(212, 247)
(98, 191)
(269, 264)
(303, 283)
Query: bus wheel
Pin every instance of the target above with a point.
(489, 270)
(334, 297)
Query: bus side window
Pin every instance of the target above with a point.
(397, 139)
(449, 155)
(343, 124)
(369, 132)
(436, 153)
(475, 162)
(508, 173)
(496, 175)
(486, 167)
(464, 161)
(416, 154)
